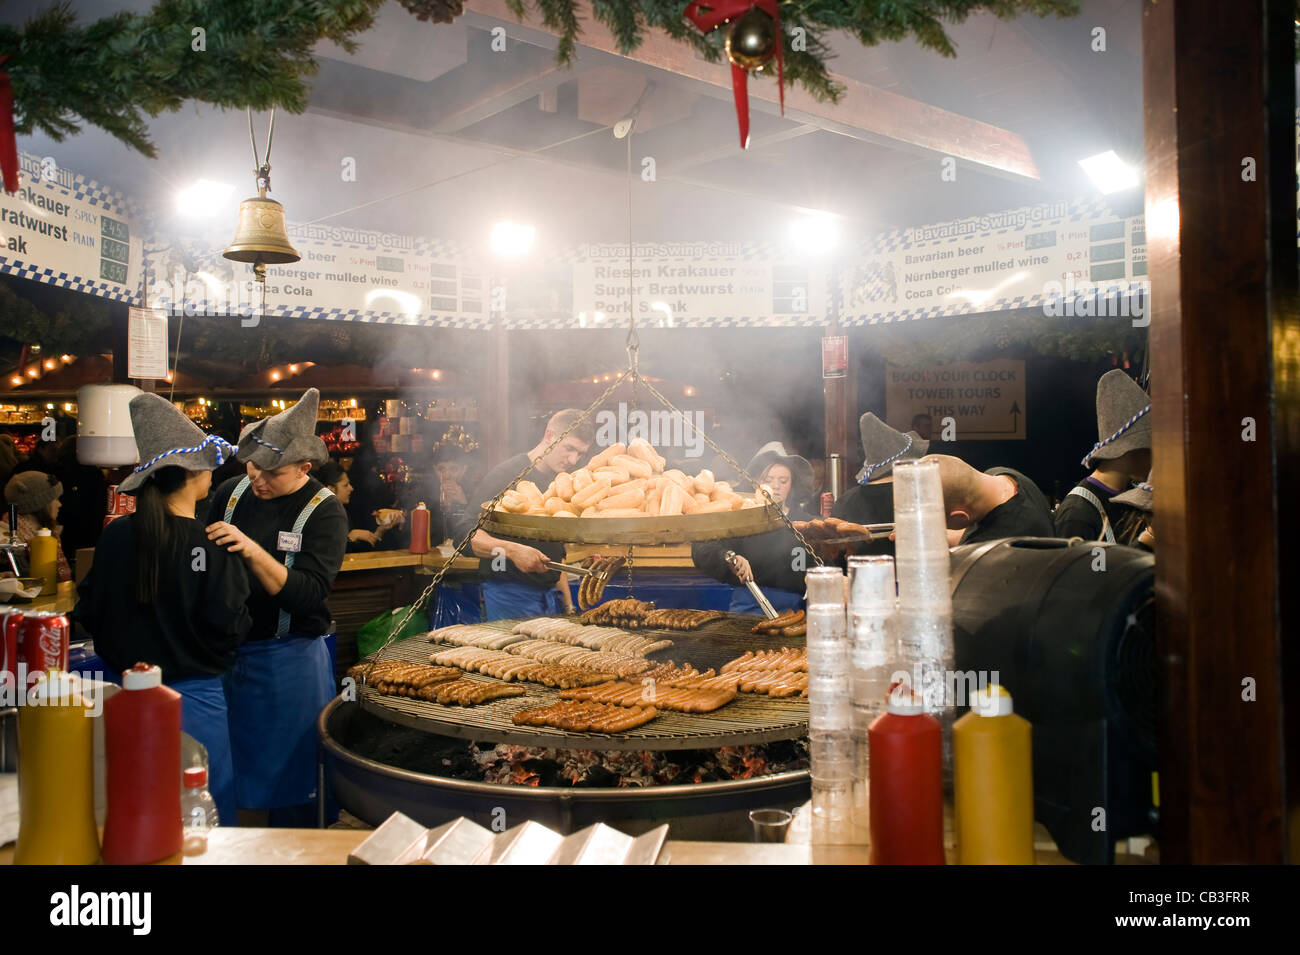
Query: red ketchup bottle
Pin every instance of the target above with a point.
(142, 736)
(420, 530)
(906, 783)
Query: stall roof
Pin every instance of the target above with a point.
(514, 136)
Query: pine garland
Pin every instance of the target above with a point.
(256, 54)
(871, 21)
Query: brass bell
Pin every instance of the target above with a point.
(261, 237)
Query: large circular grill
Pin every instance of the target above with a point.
(749, 718)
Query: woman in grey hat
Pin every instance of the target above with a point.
(291, 532)
(773, 560)
(160, 592)
(35, 495)
(1122, 454)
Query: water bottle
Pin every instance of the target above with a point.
(198, 809)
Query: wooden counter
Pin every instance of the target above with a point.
(61, 601)
(236, 846)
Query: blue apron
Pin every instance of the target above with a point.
(204, 716)
(511, 599)
(276, 690)
(742, 601)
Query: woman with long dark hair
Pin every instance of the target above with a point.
(160, 592)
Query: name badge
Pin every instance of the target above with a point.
(288, 541)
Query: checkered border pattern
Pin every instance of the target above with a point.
(82, 189)
(999, 305)
(63, 280)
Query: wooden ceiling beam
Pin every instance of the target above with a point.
(864, 112)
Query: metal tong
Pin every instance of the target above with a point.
(759, 597)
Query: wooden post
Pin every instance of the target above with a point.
(1225, 346)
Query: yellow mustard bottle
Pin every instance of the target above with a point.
(56, 775)
(43, 551)
(993, 783)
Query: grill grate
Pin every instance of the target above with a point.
(749, 718)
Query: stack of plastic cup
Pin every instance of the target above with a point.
(830, 740)
(923, 623)
(873, 658)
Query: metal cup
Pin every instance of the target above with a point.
(770, 825)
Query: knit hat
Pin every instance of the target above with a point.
(285, 438)
(801, 472)
(166, 438)
(32, 490)
(1122, 422)
(1139, 496)
(883, 447)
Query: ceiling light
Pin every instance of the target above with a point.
(815, 234)
(511, 240)
(204, 199)
(1108, 173)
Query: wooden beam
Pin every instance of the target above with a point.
(1222, 254)
(864, 112)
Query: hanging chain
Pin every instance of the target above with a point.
(487, 510)
(733, 463)
(262, 163)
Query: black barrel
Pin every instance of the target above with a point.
(1069, 628)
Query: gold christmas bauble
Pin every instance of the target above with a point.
(752, 39)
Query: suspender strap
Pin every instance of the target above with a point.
(235, 495)
(298, 525)
(1107, 534)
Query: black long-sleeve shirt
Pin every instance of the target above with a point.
(772, 557)
(492, 484)
(310, 579)
(197, 620)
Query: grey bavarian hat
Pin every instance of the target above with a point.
(166, 438)
(1123, 423)
(285, 438)
(882, 447)
(29, 491)
(1139, 496)
(774, 453)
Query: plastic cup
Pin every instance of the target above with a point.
(770, 825)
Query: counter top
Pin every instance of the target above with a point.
(61, 601)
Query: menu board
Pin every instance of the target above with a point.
(1047, 254)
(63, 229)
(671, 285)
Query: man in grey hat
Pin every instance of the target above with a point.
(1134, 528)
(292, 533)
(990, 505)
(1121, 456)
(871, 501)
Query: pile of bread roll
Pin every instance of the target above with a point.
(626, 481)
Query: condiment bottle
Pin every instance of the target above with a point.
(56, 775)
(994, 783)
(43, 552)
(420, 529)
(906, 783)
(142, 735)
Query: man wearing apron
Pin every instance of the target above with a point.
(291, 532)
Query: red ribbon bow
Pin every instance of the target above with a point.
(8, 144)
(716, 12)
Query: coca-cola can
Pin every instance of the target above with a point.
(9, 625)
(828, 503)
(119, 504)
(44, 640)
